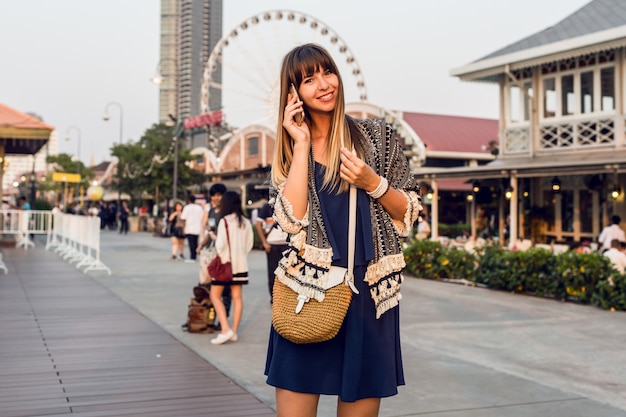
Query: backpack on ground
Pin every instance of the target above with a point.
(200, 312)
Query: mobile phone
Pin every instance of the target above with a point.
(299, 117)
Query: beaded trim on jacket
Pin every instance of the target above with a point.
(304, 266)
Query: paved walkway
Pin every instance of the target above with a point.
(467, 352)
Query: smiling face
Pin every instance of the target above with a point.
(319, 90)
(314, 73)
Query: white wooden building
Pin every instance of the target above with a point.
(562, 145)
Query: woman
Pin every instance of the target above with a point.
(176, 231)
(233, 247)
(312, 170)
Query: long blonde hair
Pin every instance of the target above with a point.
(297, 64)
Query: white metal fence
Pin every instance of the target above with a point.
(75, 238)
(23, 224)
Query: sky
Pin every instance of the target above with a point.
(67, 60)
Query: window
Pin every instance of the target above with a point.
(586, 92)
(514, 102)
(549, 97)
(518, 104)
(578, 86)
(529, 89)
(586, 211)
(550, 208)
(567, 210)
(253, 146)
(607, 88)
(568, 98)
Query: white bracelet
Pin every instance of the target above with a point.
(379, 191)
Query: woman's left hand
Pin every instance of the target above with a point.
(355, 171)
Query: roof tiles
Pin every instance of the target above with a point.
(10, 117)
(596, 16)
(453, 133)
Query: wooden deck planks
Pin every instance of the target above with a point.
(69, 347)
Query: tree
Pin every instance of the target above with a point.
(148, 166)
(63, 163)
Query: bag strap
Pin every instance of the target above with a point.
(227, 238)
(352, 236)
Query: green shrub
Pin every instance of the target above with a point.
(582, 278)
(429, 259)
(422, 256)
(609, 296)
(457, 263)
(42, 205)
(493, 268)
(536, 272)
(579, 275)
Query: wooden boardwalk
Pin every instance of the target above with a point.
(69, 347)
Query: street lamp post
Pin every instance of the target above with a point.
(175, 176)
(67, 137)
(106, 117)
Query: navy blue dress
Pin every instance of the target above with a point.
(364, 360)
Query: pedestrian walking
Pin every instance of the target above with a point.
(177, 235)
(124, 213)
(192, 215)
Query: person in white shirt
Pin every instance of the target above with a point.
(233, 242)
(423, 229)
(616, 256)
(192, 215)
(611, 232)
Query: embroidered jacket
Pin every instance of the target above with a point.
(304, 266)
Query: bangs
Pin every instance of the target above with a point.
(308, 60)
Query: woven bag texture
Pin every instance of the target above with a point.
(317, 322)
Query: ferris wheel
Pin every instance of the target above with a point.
(247, 88)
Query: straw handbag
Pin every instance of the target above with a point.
(300, 320)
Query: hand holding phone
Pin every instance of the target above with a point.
(299, 117)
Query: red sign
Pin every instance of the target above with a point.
(202, 120)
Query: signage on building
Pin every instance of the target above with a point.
(203, 120)
(65, 177)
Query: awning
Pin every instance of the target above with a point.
(446, 184)
(582, 163)
(20, 133)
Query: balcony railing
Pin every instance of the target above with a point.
(587, 132)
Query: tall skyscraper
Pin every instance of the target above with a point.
(167, 67)
(190, 29)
